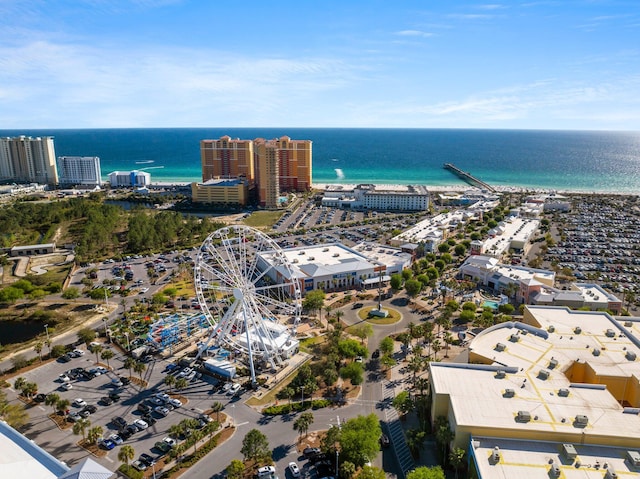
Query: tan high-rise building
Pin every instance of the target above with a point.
(28, 159)
(227, 158)
(274, 166)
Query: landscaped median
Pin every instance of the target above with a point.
(280, 409)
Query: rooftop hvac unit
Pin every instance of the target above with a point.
(555, 470)
(523, 416)
(500, 374)
(563, 392)
(514, 338)
(551, 328)
(500, 347)
(631, 356)
(495, 455)
(581, 420)
(611, 473)
(634, 458)
(543, 374)
(569, 451)
(577, 330)
(553, 363)
(610, 333)
(509, 393)
(595, 352)
(628, 324)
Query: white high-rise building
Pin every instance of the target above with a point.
(80, 170)
(27, 159)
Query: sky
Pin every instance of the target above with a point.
(565, 64)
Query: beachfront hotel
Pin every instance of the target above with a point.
(273, 166)
(221, 191)
(555, 395)
(29, 160)
(378, 197)
(80, 170)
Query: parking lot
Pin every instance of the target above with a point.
(91, 391)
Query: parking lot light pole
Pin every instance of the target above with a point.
(106, 332)
(126, 334)
(302, 392)
(46, 330)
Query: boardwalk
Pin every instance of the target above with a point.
(472, 180)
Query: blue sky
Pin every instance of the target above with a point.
(320, 63)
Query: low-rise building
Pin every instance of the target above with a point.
(129, 179)
(579, 295)
(377, 197)
(219, 191)
(558, 377)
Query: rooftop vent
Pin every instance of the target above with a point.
(523, 416)
(553, 363)
(628, 324)
(634, 458)
(563, 392)
(555, 470)
(514, 338)
(543, 374)
(500, 374)
(595, 352)
(631, 356)
(581, 420)
(551, 328)
(577, 330)
(509, 393)
(610, 333)
(611, 473)
(500, 347)
(569, 451)
(495, 455)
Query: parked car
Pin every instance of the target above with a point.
(163, 411)
(116, 439)
(66, 386)
(107, 444)
(139, 465)
(309, 452)
(295, 471)
(119, 422)
(162, 446)
(234, 389)
(140, 424)
(90, 408)
(146, 459)
(79, 402)
(144, 408)
(175, 402)
(106, 401)
(114, 396)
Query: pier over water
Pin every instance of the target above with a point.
(468, 177)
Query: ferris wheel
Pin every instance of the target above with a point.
(247, 290)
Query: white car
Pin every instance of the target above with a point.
(139, 465)
(143, 290)
(295, 471)
(116, 382)
(66, 386)
(163, 411)
(140, 424)
(175, 402)
(234, 389)
(164, 397)
(79, 402)
(64, 378)
(78, 352)
(170, 441)
(101, 369)
(116, 439)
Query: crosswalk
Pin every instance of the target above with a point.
(396, 434)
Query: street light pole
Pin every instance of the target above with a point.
(302, 391)
(126, 333)
(106, 333)
(46, 330)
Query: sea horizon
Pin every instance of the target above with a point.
(604, 161)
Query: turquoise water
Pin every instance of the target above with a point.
(490, 304)
(564, 160)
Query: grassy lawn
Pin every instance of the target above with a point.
(263, 219)
(394, 316)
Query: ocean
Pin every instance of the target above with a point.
(592, 161)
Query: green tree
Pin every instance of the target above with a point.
(362, 331)
(38, 349)
(236, 469)
(126, 454)
(302, 424)
(71, 293)
(181, 383)
(52, 400)
(86, 336)
(412, 287)
(62, 405)
(96, 349)
(81, 426)
(424, 472)
(353, 371)
(456, 459)
(314, 300)
(402, 403)
(170, 381)
(13, 414)
(255, 446)
(371, 472)
(106, 355)
(358, 439)
(216, 407)
(57, 351)
(129, 363)
(94, 434)
(139, 367)
(347, 470)
(386, 346)
(396, 282)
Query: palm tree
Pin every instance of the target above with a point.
(94, 434)
(181, 383)
(62, 405)
(176, 430)
(216, 407)
(30, 389)
(19, 383)
(52, 400)
(106, 355)
(129, 363)
(47, 343)
(126, 454)
(96, 350)
(38, 349)
(170, 381)
(139, 367)
(302, 424)
(81, 426)
(195, 437)
(437, 346)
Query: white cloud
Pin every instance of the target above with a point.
(414, 33)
